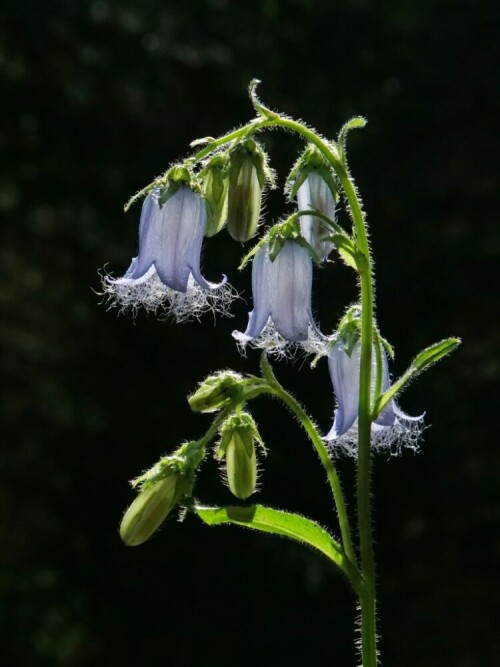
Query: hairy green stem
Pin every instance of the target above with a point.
(252, 126)
(368, 598)
(325, 459)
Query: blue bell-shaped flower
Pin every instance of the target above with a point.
(393, 429)
(166, 272)
(281, 291)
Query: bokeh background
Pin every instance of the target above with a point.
(97, 98)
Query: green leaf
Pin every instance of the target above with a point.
(422, 361)
(278, 522)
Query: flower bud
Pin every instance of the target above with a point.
(150, 509)
(215, 186)
(247, 177)
(216, 392)
(237, 445)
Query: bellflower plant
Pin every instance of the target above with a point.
(225, 177)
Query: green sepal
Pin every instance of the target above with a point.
(177, 176)
(422, 361)
(249, 150)
(160, 490)
(244, 425)
(388, 347)
(349, 329)
(168, 184)
(182, 461)
(278, 522)
(217, 391)
(253, 251)
(310, 160)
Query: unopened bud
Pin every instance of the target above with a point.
(239, 435)
(247, 177)
(216, 392)
(215, 186)
(150, 509)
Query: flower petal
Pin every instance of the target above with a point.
(344, 372)
(387, 416)
(149, 220)
(314, 193)
(291, 274)
(262, 296)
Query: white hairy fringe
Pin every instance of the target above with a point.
(155, 297)
(276, 346)
(392, 440)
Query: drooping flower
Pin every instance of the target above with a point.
(393, 430)
(166, 273)
(315, 193)
(281, 291)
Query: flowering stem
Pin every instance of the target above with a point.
(345, 530)
(250, 127)
(368, 597)
(333, 479)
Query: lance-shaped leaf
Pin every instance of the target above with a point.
(422, 361)
(278, 522)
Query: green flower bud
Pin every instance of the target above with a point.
(216, 392)
(248, 173)
(239, 435)
(215, 186)
(150, 509)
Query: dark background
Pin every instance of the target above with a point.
(96, 99)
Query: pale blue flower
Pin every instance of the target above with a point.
(392, 430)
(315, 193)
(281, 299)
(166, 273)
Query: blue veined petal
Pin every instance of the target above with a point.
(281, 295)
(170, 238)
(148, 231)
(262, 287)
(392, 431)
(344, 372)
(387, 416)
(291, 298)
(166, 273)
(314, 193)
